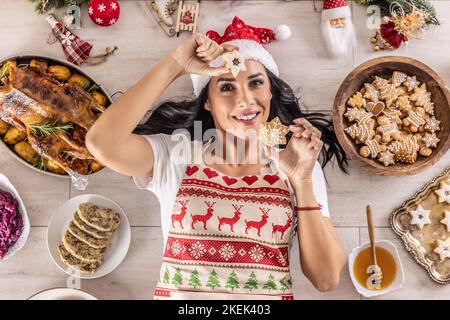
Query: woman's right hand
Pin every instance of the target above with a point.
(195, 54)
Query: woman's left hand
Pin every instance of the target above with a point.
(299, 157)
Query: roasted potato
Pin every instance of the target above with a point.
(26, 152)
(14, 135)
(95, 166)
(100, 98)
(4, 126)
(80, 81)
(39, 64)
(52, 167)
(6, 66)
(60, 73)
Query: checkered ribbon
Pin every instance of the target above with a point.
(77, 51)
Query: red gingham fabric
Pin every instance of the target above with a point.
(77, 51)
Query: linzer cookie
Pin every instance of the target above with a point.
(393, 120)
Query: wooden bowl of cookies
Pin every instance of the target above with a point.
(392, 116)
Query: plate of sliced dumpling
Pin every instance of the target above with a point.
(88, 236)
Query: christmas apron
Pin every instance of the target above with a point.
(228, 239)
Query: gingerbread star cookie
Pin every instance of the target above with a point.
(446, 220)
(420, 217)
(443, 193)
(443, 249)
(234, 61)
(273, 133)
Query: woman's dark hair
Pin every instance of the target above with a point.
(171, 115)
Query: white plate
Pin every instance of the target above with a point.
(120, 241)
(62, 294)
(399, 277)
(6, 185)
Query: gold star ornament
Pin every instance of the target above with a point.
(273, 133)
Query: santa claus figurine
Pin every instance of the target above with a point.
(337, 28)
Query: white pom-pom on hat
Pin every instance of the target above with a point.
(283, 32)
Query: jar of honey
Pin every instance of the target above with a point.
(388, 261)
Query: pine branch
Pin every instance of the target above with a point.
(405, 6)
(54, 4)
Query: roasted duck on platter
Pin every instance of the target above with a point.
(45, 111)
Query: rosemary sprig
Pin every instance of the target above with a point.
(41, 165)
(3, 70)
(48, 128)
(93, 87)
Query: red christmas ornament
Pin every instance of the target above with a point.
(104, 12)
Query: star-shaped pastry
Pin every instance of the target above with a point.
(430, 140)
(273, 132)
(234, 61)
(387, 158)
(443, 193)
(443, 249)
(420, 217)
(446, 220)
(411, 83)
(432, 125)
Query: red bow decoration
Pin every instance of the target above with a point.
(391, 35)
(238, 29)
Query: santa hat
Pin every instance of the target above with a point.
(250, 41)
(339, 38)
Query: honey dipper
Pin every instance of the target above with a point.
(374, 271)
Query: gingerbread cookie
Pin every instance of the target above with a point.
(396, 109)
(357, 100)
(273, 133)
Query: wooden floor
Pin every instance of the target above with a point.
(303, 63)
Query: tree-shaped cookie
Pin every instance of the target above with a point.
(398, 78)
(357, 100)
(423, 98)
(388, 91)
(363, 131)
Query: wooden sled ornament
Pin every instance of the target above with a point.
(187, 17)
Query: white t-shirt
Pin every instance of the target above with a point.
(172, 154)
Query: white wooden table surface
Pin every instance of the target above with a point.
(303, 63)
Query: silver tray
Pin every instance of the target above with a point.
(419, 243)
(24, 59)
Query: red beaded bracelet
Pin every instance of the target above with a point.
(318, 207)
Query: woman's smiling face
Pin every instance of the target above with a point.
(238, 105)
